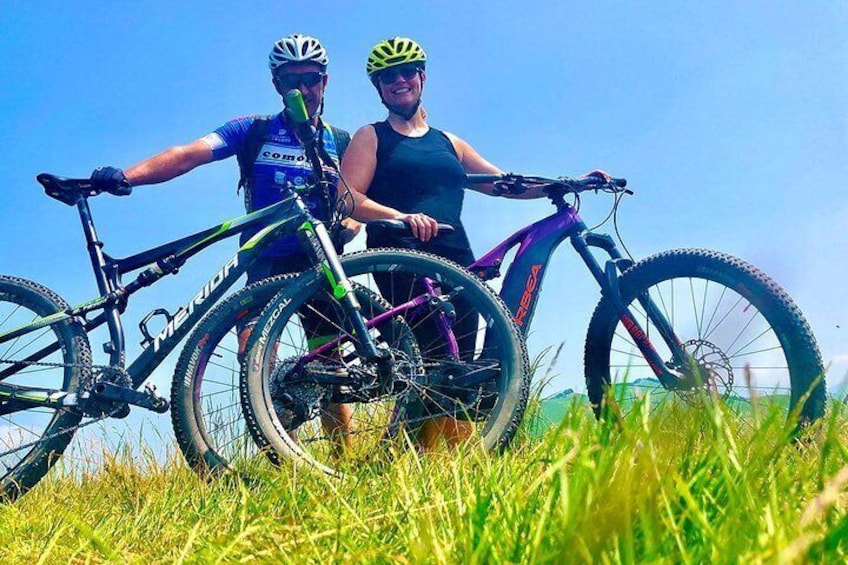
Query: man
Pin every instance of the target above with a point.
(270, 157)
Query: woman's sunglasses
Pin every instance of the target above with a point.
(288, 81)
(391, 75)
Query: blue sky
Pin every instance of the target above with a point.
(730, 121)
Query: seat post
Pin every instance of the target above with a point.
(94, 246)
(115, 348)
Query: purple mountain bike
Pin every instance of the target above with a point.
(681, 322)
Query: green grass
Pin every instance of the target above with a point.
(670, 484)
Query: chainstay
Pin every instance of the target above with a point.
(70, 429)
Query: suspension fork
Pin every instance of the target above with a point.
(607, 278)
(326, 257)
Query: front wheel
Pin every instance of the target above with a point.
(474, 389)
(737, 326)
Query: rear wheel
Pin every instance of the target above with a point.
(744, 333)
(33, 438)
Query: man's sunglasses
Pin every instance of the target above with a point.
(389, 76)
(288, 81)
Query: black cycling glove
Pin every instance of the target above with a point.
(111, 180)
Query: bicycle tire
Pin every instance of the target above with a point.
(745, 293)
(501, 419)
(209, 425)
(21, 301)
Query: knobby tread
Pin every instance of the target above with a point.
(77, 356)
(201, 456)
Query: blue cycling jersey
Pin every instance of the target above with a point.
(281, 161)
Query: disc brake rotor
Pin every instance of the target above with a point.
(712, 368)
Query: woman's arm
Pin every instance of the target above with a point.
(358, 166)
(472, 162)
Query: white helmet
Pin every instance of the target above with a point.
(297, 48)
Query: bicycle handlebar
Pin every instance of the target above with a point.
(517, 184)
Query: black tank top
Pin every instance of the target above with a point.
(421, 174)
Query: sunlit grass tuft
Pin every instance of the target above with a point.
(666, 483)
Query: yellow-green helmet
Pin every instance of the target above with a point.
(393, 52)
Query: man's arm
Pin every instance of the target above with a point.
(170, 164)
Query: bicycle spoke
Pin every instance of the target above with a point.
(751, 342)
(218, 393)
(13, 354)
(728, 313)
(742, 331)
(715, 311)
(695, 308)
(766, 350)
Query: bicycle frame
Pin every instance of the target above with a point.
(523, 280)
(285, 217)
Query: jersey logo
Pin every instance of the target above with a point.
(276, 155)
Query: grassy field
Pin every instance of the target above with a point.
(671, 484)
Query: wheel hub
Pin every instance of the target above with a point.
(710, 368)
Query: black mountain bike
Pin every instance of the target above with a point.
(49, 386)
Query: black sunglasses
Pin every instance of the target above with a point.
(389, 76)
(289, 81)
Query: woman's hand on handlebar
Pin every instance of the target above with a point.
(423, 226)
(598, 174)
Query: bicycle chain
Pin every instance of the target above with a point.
(72, 429)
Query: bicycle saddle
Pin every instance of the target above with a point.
(67, 191)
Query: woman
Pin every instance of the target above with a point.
(404, 169)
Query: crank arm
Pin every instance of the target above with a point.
(147, 399)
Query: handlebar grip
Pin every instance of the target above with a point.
(295, 108)
(400, 228)
(474, 178)
(594, 181)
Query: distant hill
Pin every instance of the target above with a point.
(555, 406)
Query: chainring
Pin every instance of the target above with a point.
(94, 407)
